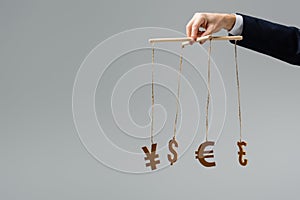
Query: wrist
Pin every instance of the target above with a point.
(229, 20)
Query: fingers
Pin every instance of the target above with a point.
(192, 28)
(188, 28)
(195, 28)
(211, 22)
(208, 31)
(200, 34)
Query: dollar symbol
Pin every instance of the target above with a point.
(200, 154)
(171, 148)
(151, 156)
(241, 153)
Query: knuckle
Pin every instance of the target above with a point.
(199, 15)
(195, 26)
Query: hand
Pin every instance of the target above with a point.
(211, 22)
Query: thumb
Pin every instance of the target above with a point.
(208, 31)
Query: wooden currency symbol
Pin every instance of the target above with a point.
(200, 154)
(151, 156)
(241, 153)
(172, 150)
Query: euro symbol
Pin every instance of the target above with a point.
(200, 154)
(151, 156)
(241, 153)
(171, 143)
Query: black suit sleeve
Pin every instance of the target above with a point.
(279, 41)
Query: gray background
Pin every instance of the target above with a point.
(43, 43)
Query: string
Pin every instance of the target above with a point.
(238, 88)
(178, 92)
(152, 96)
(208, 87)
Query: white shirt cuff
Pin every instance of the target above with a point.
(238, 26)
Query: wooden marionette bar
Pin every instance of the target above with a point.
(187, 40)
